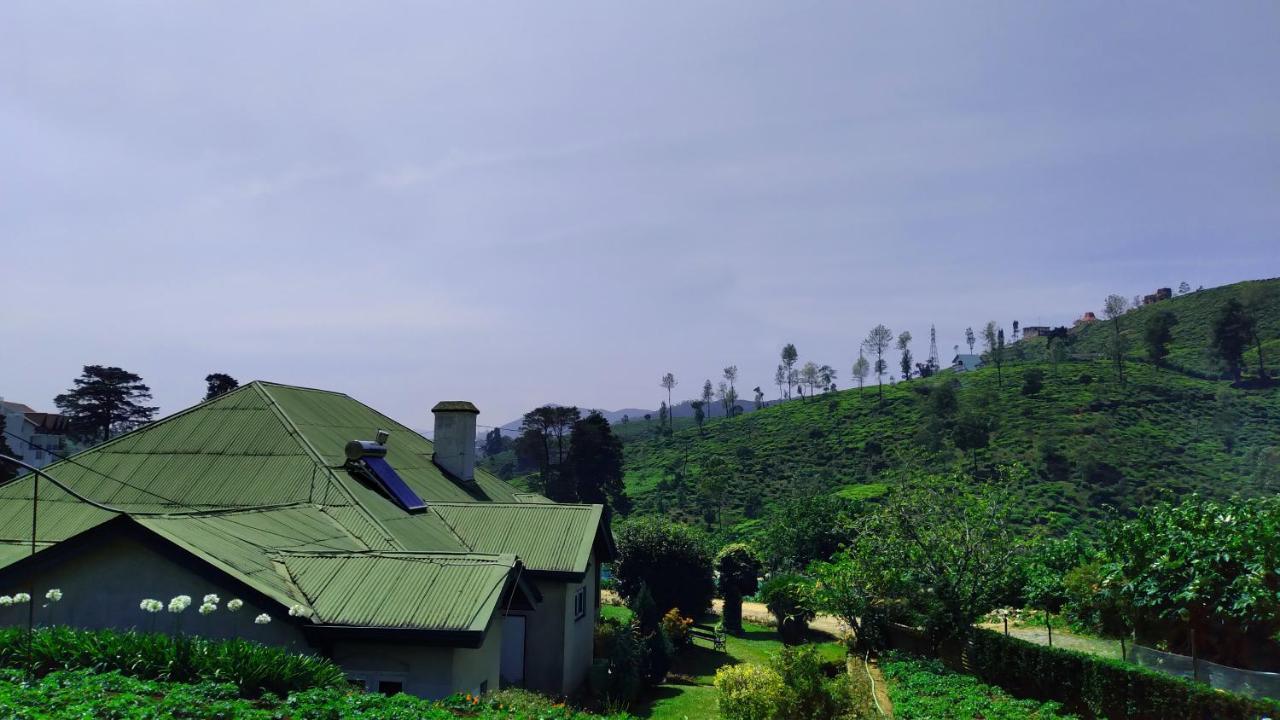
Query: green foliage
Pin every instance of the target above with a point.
(800, 530)
(1157, 333)
(678, 629)
(748, 692)
(856, 588)
(87, 694)
(594, 463)
(621, 644)
(790, 598)
(1100, 687)
(1233, 328)
(105, 400)
(672, 560)
(1032, 381)
(1045, 567)
(252, 668)
(807, 693)
(737, 569)
(925, 690)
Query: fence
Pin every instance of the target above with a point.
(1252, 683)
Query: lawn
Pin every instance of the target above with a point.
(688, 692)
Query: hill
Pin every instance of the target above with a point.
(1088, 440)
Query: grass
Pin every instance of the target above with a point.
(688, 692)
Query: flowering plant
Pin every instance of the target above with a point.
(262, 619)
(53, 595)
(235, 605)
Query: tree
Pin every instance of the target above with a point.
(594, 463)
(1253, 301)
(972, 432)
(1032, 381)
(860, 369)
(8, 470)
(850, 586)
(541, 428)
(875, 345)
(728, 397)
(495, 442)
(993, 339)
(669, 382)
(708, 396)
(1014, 334)
(219, 383)
(759, 397)
(1184, 287)
(670, 559)
(713, 483)
(789, 358)
(950, 546)
(827, 378)
(738, 571)
(731, 377)
(664, 417)
(1157, 335)
(804, 528)
(1113, 307)
(780, 379)
(105, 400)
(790, 598)
(808, 377)
(1230, 333)
(698, 415)
(969, 338)
(904, 345)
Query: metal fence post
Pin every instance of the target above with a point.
(1049, 626)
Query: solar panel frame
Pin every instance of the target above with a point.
(390, 480)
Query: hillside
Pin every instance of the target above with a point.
(1088, 440)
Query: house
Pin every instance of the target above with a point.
(1031, 331)
(965, 363)
(359, 539)
(1087, 318)
(37, 438)
(1159, 295)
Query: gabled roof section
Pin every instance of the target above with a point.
(548, 537)
(417, 591)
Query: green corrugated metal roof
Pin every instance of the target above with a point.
(253, 478)
(404, 590)
(546, 536)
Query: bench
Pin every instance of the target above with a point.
(715, 636)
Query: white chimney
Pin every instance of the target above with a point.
(455, 438)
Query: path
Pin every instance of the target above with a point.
(754, 612)
(1061, 639)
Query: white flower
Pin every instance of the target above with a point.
(5, 601)
(184, 599)
(176, 605)
(299, 611)
(211, 599)
(21, 598)
(53, 595)
(262, 619)
(151, 605)
(207, 608)
(235, 605)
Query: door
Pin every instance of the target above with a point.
(512, 668)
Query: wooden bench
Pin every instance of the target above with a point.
(715, 636)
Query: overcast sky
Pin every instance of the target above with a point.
(519, 203)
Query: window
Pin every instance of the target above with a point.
(580, 603)
(390, 687)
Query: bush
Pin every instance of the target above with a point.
(925, 690)
(671, 559)
(738, 569)
(1032, 381)
(1100, 687)
(807, 692)
(677, 627)
(253, 668)
(790, 599)
(748, 692)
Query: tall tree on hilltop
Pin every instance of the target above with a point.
(708, 396)
(669, 382)
(495, 443)
(664, 416)
(105, 400)
(1113, 307)
(218, 384)
(594, 463)
(548, 425)
(728, 397)
(827, 378)
(1230, 334)
(789, 358)
(876, 344)
(699, 415)
(1157, 335)
(780, 378)
(731, 377)
(759, 397)
(808, 378)
(993, 338)
(904, 345)
(969, 338)
(860, 369)
(1184, 287)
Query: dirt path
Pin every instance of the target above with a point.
(1062, 639)
(753, 612)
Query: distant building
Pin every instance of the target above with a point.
(966, 363)
(1087, 318)
(36, 438)
(1031, 331)
(1159, 295)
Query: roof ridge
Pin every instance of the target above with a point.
(318, 459)
(298, 387)
(510, 558)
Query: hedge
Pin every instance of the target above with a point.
(1098, 687)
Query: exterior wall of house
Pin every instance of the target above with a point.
(579, 623)
(560, 633)
(475, 670)
(103, 585)
(421, 670)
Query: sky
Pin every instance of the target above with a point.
(522, 203)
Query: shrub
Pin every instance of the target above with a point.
(253, 668)
(1032, 381)
(1101, 687)
(671, 559)
(677, 627)
(925, 690)
(626, 657)
(748, 692)
(790, 599)
(738, 570)
(807, 692)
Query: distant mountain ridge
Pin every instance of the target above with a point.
(682, 410)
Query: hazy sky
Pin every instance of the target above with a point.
(516, 203)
